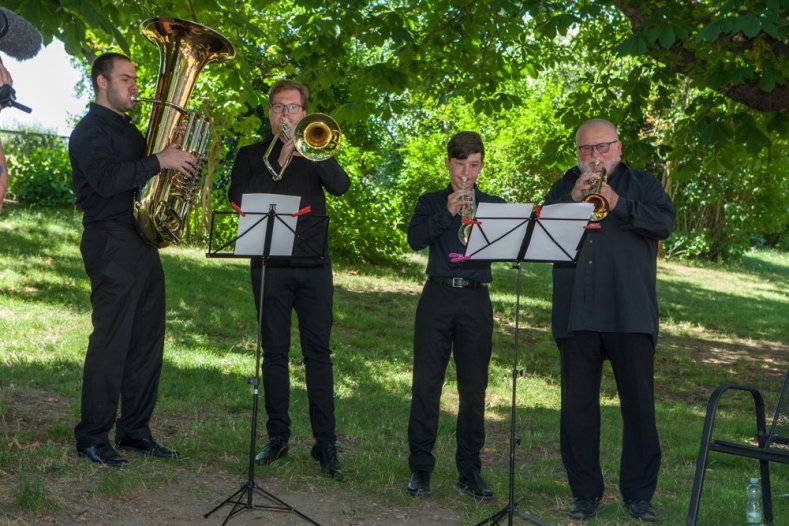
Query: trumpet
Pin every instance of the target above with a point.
(466, 214)
(601, 207)
(316, 137)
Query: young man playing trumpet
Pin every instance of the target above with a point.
(454, 316)
(300, 284)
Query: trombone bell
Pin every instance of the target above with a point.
(317, 137)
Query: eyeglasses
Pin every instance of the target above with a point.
(603, 147)
(279, 108)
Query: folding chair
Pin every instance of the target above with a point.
(770, 447)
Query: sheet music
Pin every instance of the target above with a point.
(504, 245)
(252, 236)
(566, 231)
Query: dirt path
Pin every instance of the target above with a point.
(185, 500)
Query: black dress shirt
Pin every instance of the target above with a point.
(303, 178)
(108, 163)
(612, 287)
(432, 225)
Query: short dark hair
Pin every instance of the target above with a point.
(465, 143)
(285, 84)
(103, 65)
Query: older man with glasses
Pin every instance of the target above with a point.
(302, 284)
(605, 308)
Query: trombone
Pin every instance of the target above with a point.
(316, 137)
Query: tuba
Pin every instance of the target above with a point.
(316, 137)
(185, 47)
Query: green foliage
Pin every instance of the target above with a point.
(726, 192)
(39, 169)
(683, 81)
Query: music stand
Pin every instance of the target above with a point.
(513, 232)
(257, 233)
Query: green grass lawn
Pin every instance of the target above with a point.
(719, 324)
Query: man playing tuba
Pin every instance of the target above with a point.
(124, 357)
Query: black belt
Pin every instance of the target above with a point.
(461, 283)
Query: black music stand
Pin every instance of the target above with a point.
(269, 225)
(512, 232)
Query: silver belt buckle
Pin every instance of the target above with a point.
(458, 282)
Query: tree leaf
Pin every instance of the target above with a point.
(751, 26)
(768, 81)
(710, 33)
(667, 36)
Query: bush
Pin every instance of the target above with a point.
(39, 170)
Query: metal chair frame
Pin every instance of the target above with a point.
(764, 451)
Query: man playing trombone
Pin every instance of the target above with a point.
(277, 166)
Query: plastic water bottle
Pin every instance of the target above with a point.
(753, 506)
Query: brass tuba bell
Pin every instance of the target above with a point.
(316, 137)
(185, 47)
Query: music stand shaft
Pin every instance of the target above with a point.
(512, 506)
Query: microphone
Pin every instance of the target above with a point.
(18, 39)
(8, 99)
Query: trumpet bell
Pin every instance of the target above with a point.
(317, 137)
(601, 207)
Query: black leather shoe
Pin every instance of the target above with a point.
(102, 454)
(276, 447)
(641, 509)
(584, 507)
(473, 484)
(327, 456)
(419, 484)
(146, 446)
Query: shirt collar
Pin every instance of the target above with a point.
(110, 117)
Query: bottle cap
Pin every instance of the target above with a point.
(754, 480)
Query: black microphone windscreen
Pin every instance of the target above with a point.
(20, 40)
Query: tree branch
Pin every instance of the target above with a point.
(685, 61)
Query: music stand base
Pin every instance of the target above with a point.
(242, 501)
(508, 512)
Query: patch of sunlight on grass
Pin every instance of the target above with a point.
(527, 301)
(229, 364)
(721, 280)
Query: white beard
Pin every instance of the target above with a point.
(589, 167)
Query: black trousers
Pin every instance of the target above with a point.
(459, 322)
(632, 361)
(124, 357)
(309, 292)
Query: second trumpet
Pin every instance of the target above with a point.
(601, 206)
(466, 214)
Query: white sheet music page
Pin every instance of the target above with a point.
(252, 226)
(504, 225)
(565, 222)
